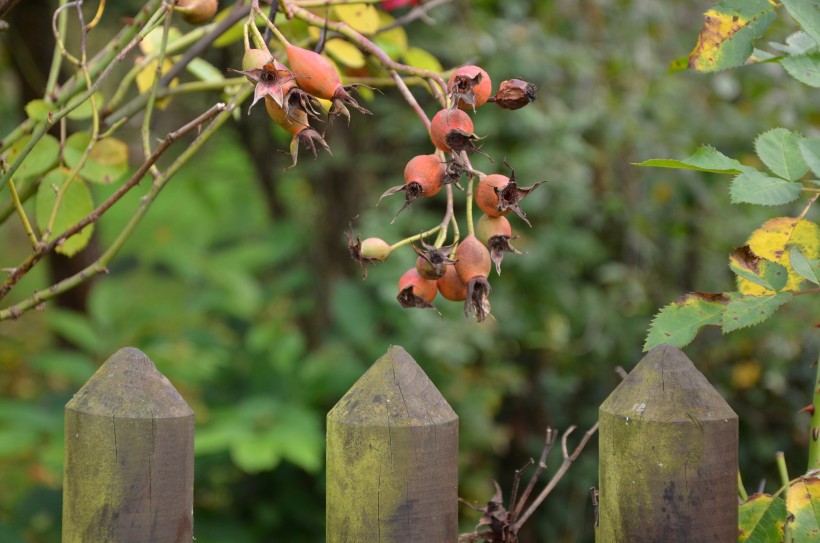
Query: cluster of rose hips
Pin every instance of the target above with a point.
(458, 271)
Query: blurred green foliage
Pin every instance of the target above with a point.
(243, 294)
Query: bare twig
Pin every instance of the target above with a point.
(418, 12)
(20, 271)
(568, 460)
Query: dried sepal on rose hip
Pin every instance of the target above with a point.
(432, 261)
(321, 80)
(416, 291)
(473, 264)
(496, 234)
(469, 87)
(293, 118)
(514, 94)
(497, 195)
(368, 251)
(423, 177)
(272, 78)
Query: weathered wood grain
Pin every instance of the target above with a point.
(129, 459)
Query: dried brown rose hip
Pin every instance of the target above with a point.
(196, 11)
(321, 80)
(498, 194)
(496, 233)
(514, 94)
(470, 87)
(473, 264)
(452, 130)
(451, 286)
(423, 177)
(415, 290)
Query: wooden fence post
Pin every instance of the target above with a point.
(668, 456)
(129, 457)
(392, 458)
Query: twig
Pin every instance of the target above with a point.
(568, 460)
(418, 12)
(549, 441)
(410, 99)
(20, 271)
(22, 213)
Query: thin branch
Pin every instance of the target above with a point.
(22, 214)
(568, 460)
(419, 12)
(19, 272)
(549, 441)
(410, 99)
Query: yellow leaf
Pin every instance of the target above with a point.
(361, 17)
(393, 41)
(153, 40)
(770, 242)
(145, 78)
(345, 52)
(419, 58)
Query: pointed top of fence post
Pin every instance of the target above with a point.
(666, 385)
(395, 384)
(128, 385)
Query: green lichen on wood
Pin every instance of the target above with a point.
(392, 453)
(128, 474)
(668, 456)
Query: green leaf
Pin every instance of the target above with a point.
(679, 322)
(39, 109)
(41, 158)
(761, 519)
(779, 149)
(803, 505)
(804, 68)
(106, 163)
(807, 15)
(419, 58)
(76, 205)
(255, 453)
(76, 328)
(705, 159)
(796, 44)
(803, 265)
(810, 147)
(743, 311)
(728, 32)
(84, 110)
(759, 188)
(204, 71)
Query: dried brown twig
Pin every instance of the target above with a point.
(500, 525)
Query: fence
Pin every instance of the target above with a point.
(668, 457)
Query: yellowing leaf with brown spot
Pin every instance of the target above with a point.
(729, 30)
(803, 506)
(770, 242)
(361, 17)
